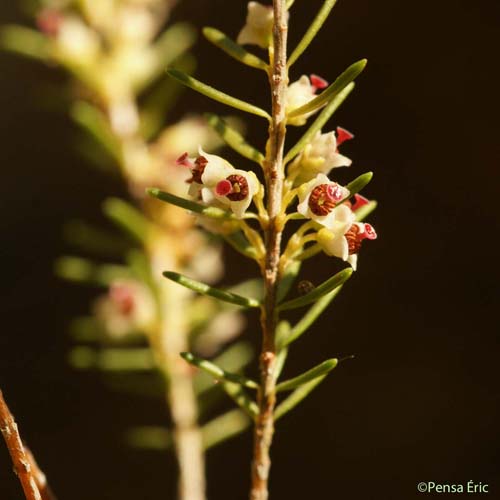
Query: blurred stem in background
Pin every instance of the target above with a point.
(115, 53)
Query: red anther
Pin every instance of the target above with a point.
(334, 192)
(343, 135)
(49, 21)
(369, 233)
(184, 161)
(223, 188)
(318, 83)
(359, 201)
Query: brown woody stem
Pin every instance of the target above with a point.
(273, 166)
(17, 452)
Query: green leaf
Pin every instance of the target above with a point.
(289, 3)
(233, 359)
(231, 48)
(318, 371)
(363, 212)
(94, 121)
(212, 212)
(149, 438)
(126, 216)
(224, 427)
(328, 94)
(288, 279)
(297, 396)
(204, 289)
(240, 243)
(81, 270)
(358, 184)
(319, 123)
(215, 94)
(325, 287)
(234, 139)
(241, 398)
(26, 42)
(171, 45)
(217, 372)
(112, 359)
(94, 240)
(308, 319)
(312, 30)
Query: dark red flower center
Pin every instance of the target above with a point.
(123, 298)
(239, 187)
(197, 171)
(324, 198)
(355, 236)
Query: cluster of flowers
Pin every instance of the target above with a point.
(215, 182)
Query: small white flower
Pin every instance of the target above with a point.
(76, 42)
(258, 27)
(319, 198)
(319, 156)
(344, 239)
(217, 183)
(301, 92)
(128, 308)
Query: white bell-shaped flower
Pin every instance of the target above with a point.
(301, 92)
(344, 239)
(319, 200)
(319, 156)
(258, 27)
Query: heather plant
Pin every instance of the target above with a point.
(114, 53)
(252, 207)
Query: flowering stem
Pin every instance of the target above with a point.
(273, 167)
(21, 462)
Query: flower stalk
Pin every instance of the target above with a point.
(274, 176)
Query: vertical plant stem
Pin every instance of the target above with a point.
(40, 479)
(172, 340)
(15, 446)
(264, 425)
(181, 396)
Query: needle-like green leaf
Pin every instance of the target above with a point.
(204, 289)
(241, 398)
(128, 218)
(321, 290)
(234, 50)
(217, 372)
(215, 94)
(363, 212)
(26, 42)
(112, 359)
(358, 184)
(289, 3)
(234, 139)
(96, 124)
(307, 320)
(312, 31)
(318, 371)
(328, 94)
(319, 123)
(297, 396)
(288, 279)
(149, 438)
(224, 427)
(84, 271)
(240, 243)
(212, 212)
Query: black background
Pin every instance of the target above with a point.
(420, 402)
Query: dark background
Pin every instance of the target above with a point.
(420, 402)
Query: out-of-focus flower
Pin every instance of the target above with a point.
(301, 92)
(76, 43)
(319, 198)
(320, 156)
(127, 308)
(258, 27)
(344, 239)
